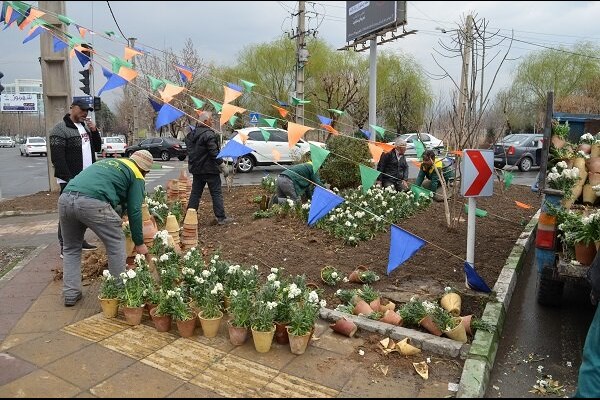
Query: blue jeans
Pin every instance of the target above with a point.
(216, 193)
(76, 213)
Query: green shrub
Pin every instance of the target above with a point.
(341, 169)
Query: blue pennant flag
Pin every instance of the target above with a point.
(473, 280)
(107, 73)
(155, 104)
(59, 45)
(34, 34)
(325, 120)
(366, 133)
(234, 149)
(13, 17)
(166, 115)
(83, 59)
(235, 87)
(402, 247)
(321, 203)
(282, 103)
(114, 81)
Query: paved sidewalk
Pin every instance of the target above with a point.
(48, 350)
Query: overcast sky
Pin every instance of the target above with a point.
(220, 30)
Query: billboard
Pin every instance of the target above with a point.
(19, 103)
(367, 17)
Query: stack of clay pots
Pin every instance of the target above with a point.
(185, 187)
(593, 167)
(189, 235)
(173, 189)
(173, 228)
(148, 225)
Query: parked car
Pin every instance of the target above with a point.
(112, 145)
(517, 149)
(430, 142)
(6, 141)
(33, 145)
(263, 149)
(161, 147)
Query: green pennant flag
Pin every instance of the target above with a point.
(419, 149)
(478, 212)
(75, 41)
(270, 121)
(368, 176)
(109, 33)
(296, 101)
(117, 63)
(338, 112)
(379, 130)
(64, 19)
(266, 134)
(317, 156)
(197, 102)
(247, 85)
(216, 105)
(39, 21)
(155, 83)
(232, 120)
(508, 178)
(419, 191)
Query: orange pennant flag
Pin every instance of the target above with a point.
(230, 94)
(282, 111)
(276, 155)
(127, 73)
(228, 111)
(244, 137)
(376, 152)
(130, 53)
(295, 132)
(169, 92)
(33, 14)
(386, 147)
(8, 14)
(82, 31)
(522, 205)
(457, 153)
(416, 163)
(330, 129)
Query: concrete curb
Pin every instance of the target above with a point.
(482, 354)
(26, 260)
(19, 213)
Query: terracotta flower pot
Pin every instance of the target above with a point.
(375, 304)
(458, 333)
(387, 306)
(237, 335)
(362, 307)
(586, 148)
(355, 275)
(391, 317)
(186, 328)
(344, 327)
(210, 326)
(281, 333)
(133, 315)
(558, 142)
(162, 323)
(430, 326)
(466, 321)
(585, 253)
(298, 344)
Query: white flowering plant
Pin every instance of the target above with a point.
(158, 209)
(210, 302)
(109, 288)
(240, 308)
(587, 138)
(268, 184)
(263, 315)
(412, 312)
(159, 195)
(167, 301)
(304, 314)
(132, 293)
(563, 178)
(167, 266)
(331, 275)
(161, 244)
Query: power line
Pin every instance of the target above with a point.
(113, 15)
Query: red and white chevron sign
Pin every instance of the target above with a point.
(478, 166)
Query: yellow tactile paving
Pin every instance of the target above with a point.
(234, 376)
(96, 328)
(138, 341)
(285, 385)
(184, 358)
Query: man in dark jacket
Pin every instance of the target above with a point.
(393, 167)
(74, 142)
(203, 164)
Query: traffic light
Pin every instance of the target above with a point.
(86, 81)
(1, 87)
(97, 103)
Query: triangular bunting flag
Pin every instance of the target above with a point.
(295, 132)
(324, 120)
(197, 102)
(522, 205)
(235, 87)
(296, 101)
(169, 92)
(402, 247)
(218, 107)
(155, 104)
(385, 146)
(114, 81)
(244, 137)
(282, 103)
(478, 212)
(419, 191)
(276, 155)
(166, 115)
(321, 203)
(75, 42)
(82, 31)
(338, 112)
(247, 85)
(230, 94)
(266, 134)
(368, 176)
(130, 53)
(83, 59)
(59, 44)
(419, 149)
(270, 121)
(107, 73)
(185, 73)
(12, 16)
(234, 149)
(109, 33)
(33, 33)
(155, 83)
(117, 63)
(379, 130)
(473, 280)
(128, 73)
(282, 111)
(64, 19)
(232, 120)
(376, 151)
(330, 129)
(23, 22)
(228, 111)
(33, 14)
(508, 178)
(317, 156)
(366, 133)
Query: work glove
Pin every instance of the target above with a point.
(224, 169)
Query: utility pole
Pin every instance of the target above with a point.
(373, 87)
(464, 77)
(56, 78)
(133, 97)
(301, 59)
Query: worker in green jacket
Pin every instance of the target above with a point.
(296, 182)
(90, 200)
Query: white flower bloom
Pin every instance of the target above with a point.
(274, 270)
(233, 293)
(271, 277)
(276, 284)
(106, 273)
(334, 275)
(199, 280)
(271, 305)
(313, 297)
(345, 280)
(164, 257)
(123, 275)
(323, 303)
(205, 273)
(131, 274)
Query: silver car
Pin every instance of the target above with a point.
(518, 149)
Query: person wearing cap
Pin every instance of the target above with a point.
(74, 142)
(203, 148)
(394, 168)
(94, 199)
(427, 170)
